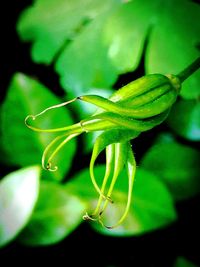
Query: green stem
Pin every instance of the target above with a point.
(183, 75)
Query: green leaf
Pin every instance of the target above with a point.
(24, 147)
(125, 33)
(56, 215)
(18, 194)
(55, 22)
(182, 262)
(95, 68)
(81, 186)
(175, 164)
(151, 208)
(92, 43)
(173, 42)
(168, 51)
(184, 119)
(58, 24)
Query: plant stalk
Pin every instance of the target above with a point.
(183, 75)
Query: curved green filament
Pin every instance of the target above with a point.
(33, 117)
(54, 107)
(95, 154)
(48, 165)
(110, 150)
(115, 176)
(119, 161)
(48, 147)
(131, 169)
(70, 129)
(90, 124)
(88, 217)
(153, 108)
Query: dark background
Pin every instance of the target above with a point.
(84, 246)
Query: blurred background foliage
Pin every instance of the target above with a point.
(63, 49)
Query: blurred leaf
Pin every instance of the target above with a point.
(56, 215)
(152, 205)
(95, 69)
(55, 22)
(181, 262)
(175, 164)
(27, 96)
(3, 154)
(95, 41)
(184, 119)
(18, 194)
(126, 31)
(81, 185)
(173, 41)
(58, 24)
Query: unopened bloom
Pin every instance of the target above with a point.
(138, 106)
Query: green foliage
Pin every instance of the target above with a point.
(90, 43)
(26, 96)
(177, 165)
(18, 194)
(151, 206)
(112, 35)
(182, 262)
(184, 119)
(69, 20)
(56, 215)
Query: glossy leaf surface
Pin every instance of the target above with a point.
(24, 147)
(56, 215)
(176, 165)
(18, 194)
(184, 119)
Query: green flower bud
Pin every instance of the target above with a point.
(136, 107)
(143, 98)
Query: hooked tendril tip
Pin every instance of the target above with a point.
(48, 167)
